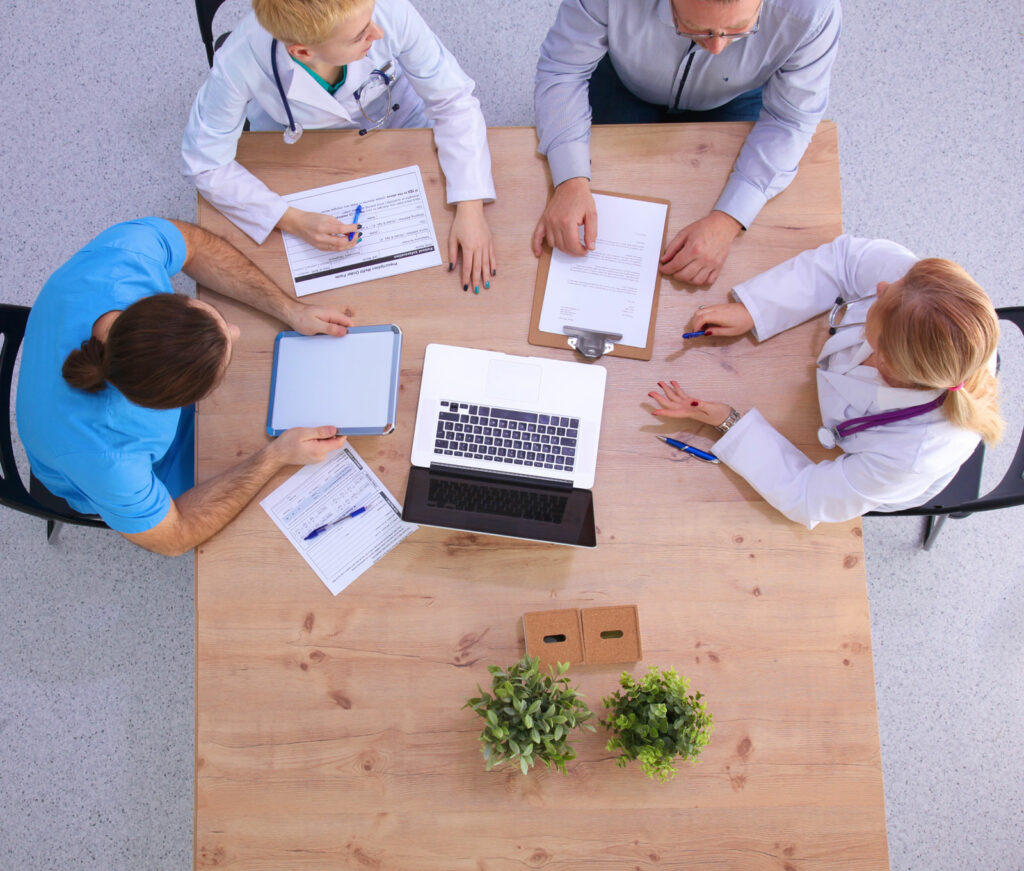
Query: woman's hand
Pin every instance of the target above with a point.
(726, 319)
(321, 231)
(471, 233)
(676, 402)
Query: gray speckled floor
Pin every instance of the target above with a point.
(96, 635)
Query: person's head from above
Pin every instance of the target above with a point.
(163, 351)
(935, 328)
(330, 33)
(715, 24)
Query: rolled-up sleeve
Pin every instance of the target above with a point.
(568, 56)
(793, 102)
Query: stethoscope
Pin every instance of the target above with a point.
(294, 130)
(831, 436)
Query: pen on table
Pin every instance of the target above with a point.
(694, 335)
(355, 220)
(690, 449)
(327, 526)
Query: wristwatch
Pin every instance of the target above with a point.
(726, 424)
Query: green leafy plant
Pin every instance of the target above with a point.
(529, 715)
(655, 721)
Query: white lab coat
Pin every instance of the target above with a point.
(887, 468)
(431, 89)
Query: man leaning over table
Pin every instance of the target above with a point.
(112, 364)
(638, 61)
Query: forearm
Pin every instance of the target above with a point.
(208, 507)
(218, 265)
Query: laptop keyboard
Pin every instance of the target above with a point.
(488, 499)
(502, 435)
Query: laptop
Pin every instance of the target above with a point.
(506, 445)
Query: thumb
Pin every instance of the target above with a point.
(674, 247)
(326, 432)
(538, 238)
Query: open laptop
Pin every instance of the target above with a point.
(506, 445)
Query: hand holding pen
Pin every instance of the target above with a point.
(726, 319)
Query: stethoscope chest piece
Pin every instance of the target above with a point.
(293, 134)
(827, 437)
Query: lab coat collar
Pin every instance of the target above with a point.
(842, 340)
(863, 389)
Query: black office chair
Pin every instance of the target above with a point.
(205, 11)
(961, 496)
(37, 500)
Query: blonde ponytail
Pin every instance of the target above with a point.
(941, 330)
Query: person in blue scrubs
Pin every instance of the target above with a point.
(112, 364)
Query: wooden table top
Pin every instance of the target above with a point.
(329, 730)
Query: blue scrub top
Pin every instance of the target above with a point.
(99, 451)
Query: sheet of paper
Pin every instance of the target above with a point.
(318, 494)
(609, 289)
(398, 234)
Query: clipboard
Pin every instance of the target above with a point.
(349, 381)
(590, 343)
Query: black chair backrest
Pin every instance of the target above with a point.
(205, 11)
(13, 494)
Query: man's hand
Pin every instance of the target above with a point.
(676, 402)
(311, 320)
(303, 445)
(698, 251)
(726, 319)
(321, 231)
(571, 205)
(471, 233)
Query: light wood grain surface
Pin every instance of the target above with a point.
(329, 731)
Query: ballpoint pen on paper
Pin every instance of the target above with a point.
(694, 335)
(690, 449)
(355, 220)
(327, 526)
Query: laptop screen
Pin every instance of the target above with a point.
(500, 505)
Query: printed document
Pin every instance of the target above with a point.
(334, 488)
(610, 289)
(398, 234)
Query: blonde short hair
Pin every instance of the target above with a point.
(306, 22)
(941, 330)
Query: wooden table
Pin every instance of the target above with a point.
(329, 731)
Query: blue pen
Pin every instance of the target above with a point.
(690, 449)
(694, 335)
(327, 526)
(355, 220)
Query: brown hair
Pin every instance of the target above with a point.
(307, 22)
(940, 330)
(162, 351)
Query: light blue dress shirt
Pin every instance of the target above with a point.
(99, 451)
(791, 55)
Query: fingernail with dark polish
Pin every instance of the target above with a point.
(465, 287)
(494, 272)
(359, 226)
(708, 333)
(451, 266)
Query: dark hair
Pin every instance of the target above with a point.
(163, 351)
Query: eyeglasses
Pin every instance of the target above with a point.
(731, 37)
(373, 97)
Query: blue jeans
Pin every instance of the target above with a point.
(613, 103)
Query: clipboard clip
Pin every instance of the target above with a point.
(590, 343)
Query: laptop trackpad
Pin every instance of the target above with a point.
(513, 382)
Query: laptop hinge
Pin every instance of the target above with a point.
(502, 476)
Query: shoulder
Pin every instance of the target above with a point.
(154, 239)
(926, 449)
(809, 15)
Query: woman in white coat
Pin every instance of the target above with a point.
(324, 50)
(905, 383)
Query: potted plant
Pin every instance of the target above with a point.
(655, 721)
(528, 715)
